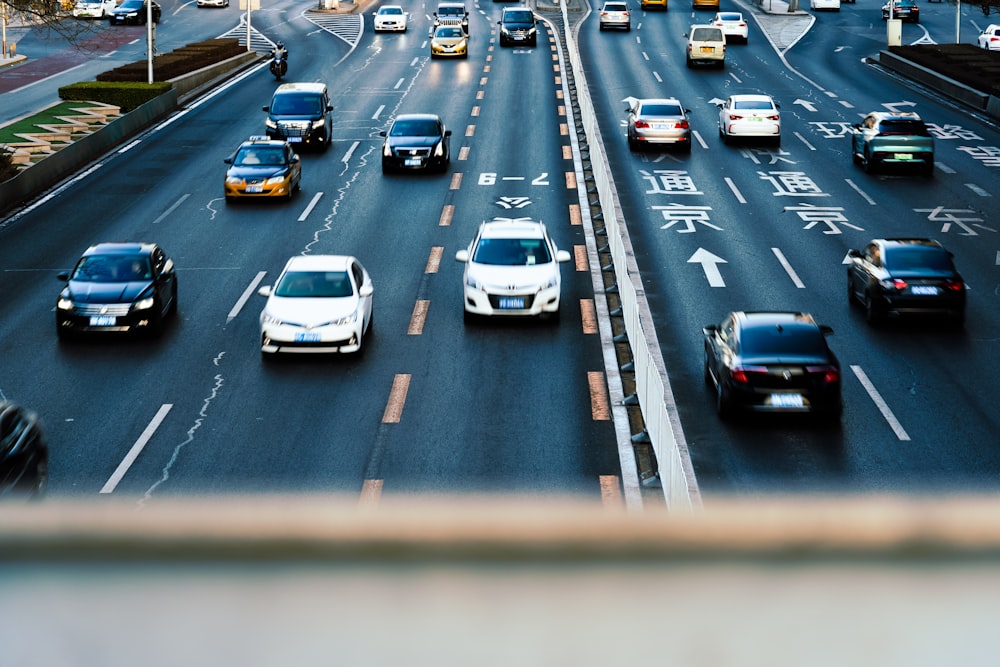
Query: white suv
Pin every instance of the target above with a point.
(512, 268)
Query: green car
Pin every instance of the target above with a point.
(886, 138)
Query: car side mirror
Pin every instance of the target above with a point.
(295, 158)
(563, 256)
(265, 290)
(382, 133)
(168, 266)
(826, 329)
(853, 253)
(447, 133)
(63, 276)
(710, 330)
(266, 108)
(366, 290)
(228, 160)
(329, 107)
(462, 256)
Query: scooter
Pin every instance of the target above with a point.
(279, 66)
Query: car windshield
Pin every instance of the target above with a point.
(782, 340)
(131, 4)
(661, 110)
(451, 12)
(518, 17)
(259, 156)
(912, 127)
(315, 284)
(449, 32)
(390, 10)
(112, 269)
(511, 252)
(416, 128)
(297, 105)
(909, 259)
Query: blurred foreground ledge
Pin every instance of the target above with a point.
(533, 528)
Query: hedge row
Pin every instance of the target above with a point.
(178, 62)
(125, 95)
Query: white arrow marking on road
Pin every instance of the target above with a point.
(806, 104)
(710, 264)
(892, 106)
(715, 101)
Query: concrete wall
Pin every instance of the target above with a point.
(957, 91)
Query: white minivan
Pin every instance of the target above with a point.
(825, 5)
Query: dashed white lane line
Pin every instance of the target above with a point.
(137, 448)
(880, 403)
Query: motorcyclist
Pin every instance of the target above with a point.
(279, 52)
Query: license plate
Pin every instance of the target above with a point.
(787, 400)
(708, 49)
(103, 321)
(924, 290)
(663, 126)
(413, 162)
(902, 156)
(255, 188)
(511, 303)
(307, 338)
(293, 140)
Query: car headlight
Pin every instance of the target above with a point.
(347, 319)
(268, 318)
(319, 123)
(276, 180)
(270, 123)
(472, 282)
(234, 180)
(64, 303)
(144, 304)
(386, 151)
(553, 282)
(439, 149)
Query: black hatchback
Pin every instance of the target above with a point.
(773, 361)
(24, 453)
(905, 276)
(123, 287)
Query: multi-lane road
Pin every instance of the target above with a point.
(437, 406)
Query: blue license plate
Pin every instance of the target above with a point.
(511, 303)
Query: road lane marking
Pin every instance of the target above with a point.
(883, 407)
(418, 317)
(371, 493)
(611, 493)
(788, 268)
(600, 410)
(137, 448)
(470, 130)
(571, 180)
(456, 181)
(851, 184)
(588, 316)
(397, 398)
(735, 190)
(309, 208)
(447, 213)
(710, 265)
(575, 219)
(247, 293)
(434, 259)
(171, 209)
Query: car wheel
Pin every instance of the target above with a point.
(723, 402)
(690, 63)
(707, 370)
(868, 163)
(851, 296)
(928, 169)
(686, 146)
(173, 301)
(632, 143)
(468, 317)
(873, 311)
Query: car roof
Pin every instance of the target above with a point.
(769, 318)
(747, 97)
(120, 248)
(900, 242)
(895, 115)
(263, 141)
(417, 116)
(303, 87)
(318, 263)
(512, 228)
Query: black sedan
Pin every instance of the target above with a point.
(24, 454)
(906, 276)
(416, 141)
(772, 361)
(123, 287)
(133, 12)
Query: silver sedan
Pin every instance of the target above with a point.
(657, 121)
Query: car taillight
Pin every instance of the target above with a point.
(893, 283)
(742, 374)
(828, 374)
(954, 285)
(735, 116)
(641, 124)
(773, 117)
(683, 125)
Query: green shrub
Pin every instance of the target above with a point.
(178, 62)
(125, 95)
(7, 168)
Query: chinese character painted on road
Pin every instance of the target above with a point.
(792, 184)
(688, 216)
(670, 182)
(952, 132)
(988, 155)
(830, 130)
(830, 216)
(763, 156)
(962, 218)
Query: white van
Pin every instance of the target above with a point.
(825, 5)
(93, 9)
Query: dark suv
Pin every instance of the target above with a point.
(300, 113)
(518, 26)
(905, 276)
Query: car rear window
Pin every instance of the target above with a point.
(661, 110)
(774, 340)
(731, 17)
(913, 127)
(906, 259)
(707, 35)
(752, 104)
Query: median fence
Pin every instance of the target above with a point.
(656, 399)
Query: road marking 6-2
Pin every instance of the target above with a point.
(490, 178)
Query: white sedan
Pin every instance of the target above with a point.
(733, 25)
(512, 268)
(750, 116)
(989, 38)
(390, 18)
(320, 303)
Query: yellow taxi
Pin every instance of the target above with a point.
(263, 167)
(646, 4)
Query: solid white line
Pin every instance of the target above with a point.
(736, 191)
(854, 187)
(894, 424)
(171, 209)
(788, 268)
(803, 140)
(133, 453)
(378, 112)
(247, 293)
(350, 152)
(311, 206)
